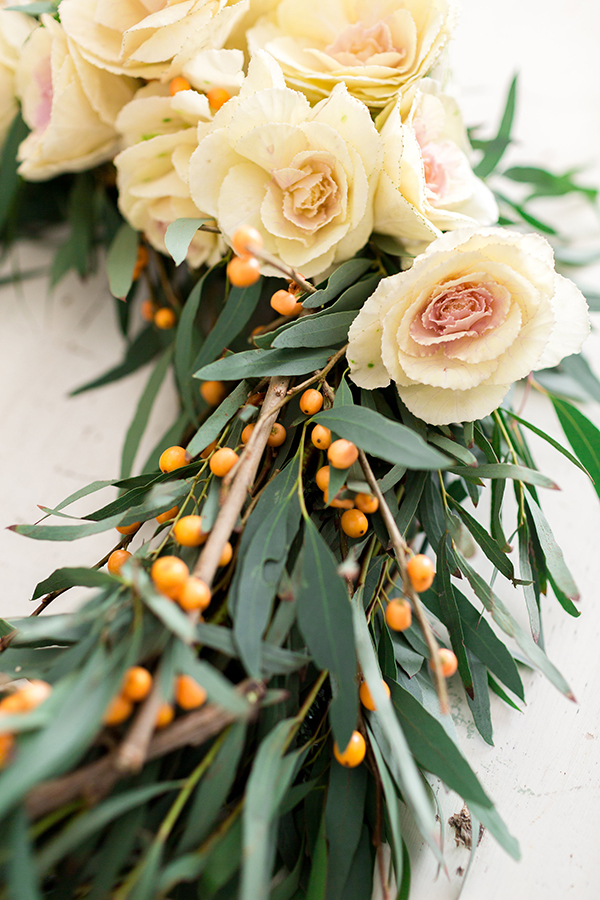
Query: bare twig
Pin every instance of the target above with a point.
(290, 273)
(318, 376)
(402, 552)
(131, 755)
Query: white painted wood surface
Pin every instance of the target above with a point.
(544, 771)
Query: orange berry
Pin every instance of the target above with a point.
(136, 684)
(223, 461)
(179, 84)
(188, 693)
(129, 529)
(165, 715)
(213, 392)
(365, 695)
(256, 399)
(421, 572)
(448, 662)
(243, 271)
(7, 742)
(277, 436)
(195, 595)
(321, 437)
(244, 239)
(226, 555)
(342, 454)
(173, 458)
(27, 698)
(11, 704)
(354, 523)
(285, 303)
(246, 433)
(141, 261)
(165, 318)
(147, 310)
(398, 614)
(116, 560)
(169, 574)
(217, 97)
(119, 709)
(208, 450)
(367, 503)
(322, 478)
(188, 531)
(167, 515)
(337, 502)
(354, 753)
(311, 402)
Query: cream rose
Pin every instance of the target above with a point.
(15, 28)
(376, 47)
(304, 177)
(427, 185)
(477, 311)
(148, 38)
(70, 106)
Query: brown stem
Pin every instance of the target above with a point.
(402, 552)
(132, 753)
(290, 273)
(318, 376)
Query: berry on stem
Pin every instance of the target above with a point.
(116, 560)
(448, 662)
(188, 531)
(167, 515)
(354, 753)
(213, 392)
(354, 523)
(179, 83)
(147, 310)
(243, 271)
(223, 461)
(285, 303)
(367, 503)
(173, 458)
(311, 402)
(188, 693)
(136, 684)
(165, 715)
(321, 437)
(247, 432)
(169, 574)
(244, 239)
(421, 572)
(119, 709)
(165, 318)
(322, 478)
(337, 502)
(217, 97)
(129, 529)
(398, 614)
(208, 450)
(226, 555)
(277, 436)
(194, 595)
(7, 742)
(342, 454)
(365, 695)
(27, 698)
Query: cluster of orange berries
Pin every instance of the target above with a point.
(421, 572)
(244, 269)
(136, 686)
(163, 316)
(217, 97)
(23, 700)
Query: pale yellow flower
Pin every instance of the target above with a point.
(15, 28)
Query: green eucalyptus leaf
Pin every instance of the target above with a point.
(450, 612)
(21, 879)
(344, 811)
(217, 686)
(237, 312)
(9, 163)
(121, 260)
(179, 236)
(494, 150)
(479, 703)
(344, 277)
(554, 555)
(140, 420)
(314, 331)
(487, 543)
(256, 363)
(62, 579)
(505, 470)
(583, 437)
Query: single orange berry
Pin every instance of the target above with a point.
(136, 684)
(208, 450)
(448, 662)
(285, 303)
(213, 392)
(223, 461)
(188, 693)
(129, 529)
(311, 402)
(354, 523)
(119, 709)
(277, 436)
(11, 704)
(167, 515)
(147, 310)
(7, 742)
(338, 502)
(398, 614)
(141, 261)
(246, 433)
(421, 572)
(367, 503)
(165, 318)
(322, 478)
(217, 97)
(365, 695)
(354, 753)
(321, 437)
(243, 271)
(165, 715)
(188, 531)
(244, 239)
(179, 84)
(256, 399)
(169, 574)
(116, 560)
(226, 555)
(195, 595)
(342, 454)
(173, 458)
(27, 698)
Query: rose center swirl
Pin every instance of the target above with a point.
(465, 310)
(311, 196)
(358, 44)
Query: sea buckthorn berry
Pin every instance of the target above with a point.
(165, 715)
(448, 662)
(226, 555)
(27, 698)
(365, 695)
(311, 402)
(367, 503)
(147, 310)
(167, 515)
(244, 239)
(165, 318)
(398, 614)
(141, 261)
(256, 399)
(223, 461)
(119, 709)
(342, 454)
(129, 529)
(188, 531)
(277, 436)
(354, 753)
(322, 478)
(169, 574)
(208, 450)
(179, 84)
(354, 523)
(7, 742)
(321, 437)
(116, 560)
(421, 572)
(337, 502)
(194, 595)
(173, 458)
(217, 97)
(213, 392)
(188, 693)
(285, 303)
(247, 432)
(136, 684)
(243, 271)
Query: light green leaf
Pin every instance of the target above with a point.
(554, 555)
(142, 414)
(505, 470)
(71, 577)
(121, 260)
(179, 236)
(214, 425)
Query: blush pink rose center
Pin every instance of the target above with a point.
(460, 313)
(310, 193)
(358, 44)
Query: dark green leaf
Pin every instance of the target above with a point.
(344, 811)
(214, 425)
(179, 236)
(554, 555)
(360, 877)
(450, 612)
(480, 702)
(274, 660)
(550, 440)
(256, 363)
(317, 884)
(344, 276)
(236, 314)
(144, 348)
(505, 470)
(583, 437)
(142, 414)
(71, 577)
(314, 331)
(9, 180)
(495, 149)
(453, 448)
(392, 808)
(21, 877)
(121, 260)
(490, 819)
(487, 543)
(185, 341)
(547, 184)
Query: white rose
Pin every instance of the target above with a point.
(148, 38)
(257, 8)
(427, 185)
(377, 47)
(304, 177)
(15, 28)
(477, 311)
(70, 106)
